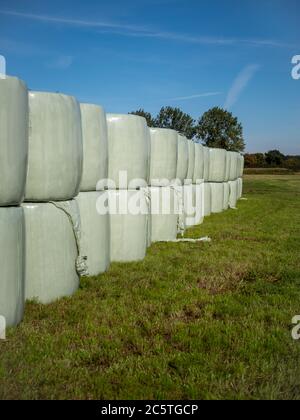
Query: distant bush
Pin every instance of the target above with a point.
(272, 159)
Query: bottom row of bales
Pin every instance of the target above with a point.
(45, 263)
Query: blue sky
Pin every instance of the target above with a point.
(195, 54)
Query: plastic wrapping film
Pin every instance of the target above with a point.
(95, 230)
(207, 199)
(233, 165)
(55, 148)
(95, 146)
(206, 163)
(128, 150)
(12, 264)
(226, 195)
(194, 197)
(13, 140)
(182, 158)
(233, 195)
(217, 197)
(228, 167)
(240, 188)
(129, 231)
(164, 214)
(53, 255)
(217, 165)
(199, 163)
(164, 151)
(241, 166)
(191, 166)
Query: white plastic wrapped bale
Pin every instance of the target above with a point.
(13, 140)
(240, 188)
(163, 162)
(128, 150)
(194, 204)
(241, 160)
(95, 230)
(12, 265)
(228, 166)
(55, 148)
(129, 213)
(182, 158)
(217, 165)
(199, 163)
(207, 199)
(191, 166)
(226, 195)
(51, 250)
(233, 195)
(233, 165)
(95, 146)
(217, 197)
(164, 214)
(206, 163)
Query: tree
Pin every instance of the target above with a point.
(219, 128)
(176, 119)
(141, 113)
(274, 158)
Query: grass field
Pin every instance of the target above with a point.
(196, 321)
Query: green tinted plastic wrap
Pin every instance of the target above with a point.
(207, 199)
(128, 150)
(182, 158)
(217, 197)
(53, 255)
(206, 163)
(240, 188)
(217, 165)
(234, 156)
(163, 162)
(55, 147)
(233, 196)
(191, 167)
(164, 214)
(95, 146)
(226, 195)
(13, 140)
(95, 231)
(194, 196)
(128, 231)
(199, 163)
(12, 264)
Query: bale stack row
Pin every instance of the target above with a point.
(71, 179)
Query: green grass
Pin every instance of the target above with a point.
(205, 320)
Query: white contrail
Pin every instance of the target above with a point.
(199, 95)
(146, 32)
(240, 84)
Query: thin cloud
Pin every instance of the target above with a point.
(240, 84)
(120, 29)
(61, 63)
(199, 95)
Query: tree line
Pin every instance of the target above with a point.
(272, 159)
(215, 128)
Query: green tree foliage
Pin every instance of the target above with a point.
(219, 128)
(141, 113)
(176, 119)
(274, 158)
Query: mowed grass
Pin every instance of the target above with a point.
(195, 321)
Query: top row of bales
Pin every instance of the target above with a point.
(70, 147)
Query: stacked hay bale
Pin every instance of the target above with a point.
(196, 190)
(95, 225)
(162, 185)
(53, 256)
(128, 173)
(13, 169)
(216, 178)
